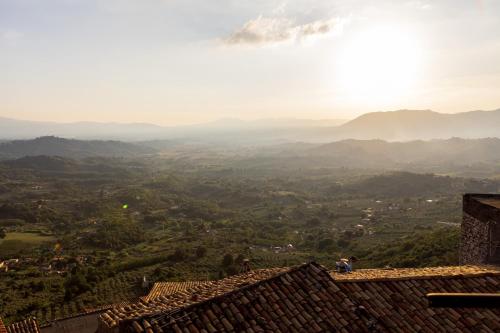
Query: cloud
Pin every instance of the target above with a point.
(269, 30)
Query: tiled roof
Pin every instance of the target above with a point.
(200, 292)
(105, 307)
(168, 288)
(400, 305)
(29, 325)
(308, 298)
(90, 311)
(300, 299)
(3, 329)
(414, 273)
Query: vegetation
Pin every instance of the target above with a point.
(87, 231)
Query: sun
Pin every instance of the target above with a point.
(380, 65)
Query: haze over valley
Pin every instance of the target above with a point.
(230, 166)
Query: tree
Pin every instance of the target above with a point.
(178, 255)
(227, 260)
(325, 244)
(239, 259)
(343, 243)
(313, 222)
(200, 252)
(74, 285)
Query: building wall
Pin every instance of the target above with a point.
(80, 324)
(474, 240)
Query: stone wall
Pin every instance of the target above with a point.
(474, 240)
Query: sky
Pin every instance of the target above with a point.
(174, 62)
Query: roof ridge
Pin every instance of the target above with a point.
(182, 295)
(417, 277)
(406, 274)
(234, 291)
(88, 311)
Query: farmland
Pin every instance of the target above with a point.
(88, 238)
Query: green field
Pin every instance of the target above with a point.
(17, 242)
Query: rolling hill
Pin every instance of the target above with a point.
(472, 157)
(53, 146)
(401, 125)
(404, 125)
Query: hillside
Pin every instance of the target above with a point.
(455, 155)
(406, 125)
(53, 163)
(53, 146)
(457, 151)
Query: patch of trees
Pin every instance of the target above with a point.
(80, 280)
(116, 231)
(436, 248)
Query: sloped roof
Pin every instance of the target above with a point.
(299, 299)
(415, 273)
(168, 288)
(398, 304)
(29, 325)
(308, 298)
(182, 297)
(3, 329)
(89, 311)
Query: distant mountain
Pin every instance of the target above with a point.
(473, 157)
(25, 129)
(53, 146)
(404, 125)
(455, 150)
(238, 124)
(217, 131)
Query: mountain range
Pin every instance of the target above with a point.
(401, 125)
(471, 157)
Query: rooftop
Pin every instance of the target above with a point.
(415, 273)
(309, 297)
(184, 297)
(29, 325)
(494, 202)
(3, 329)
(168, 288)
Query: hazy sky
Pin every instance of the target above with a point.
(188, 61)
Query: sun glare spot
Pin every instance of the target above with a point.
(380, 65)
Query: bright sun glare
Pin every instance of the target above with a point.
(380, 65)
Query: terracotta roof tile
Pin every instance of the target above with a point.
(3, 329)
(29, 325)
(273, 304)
(182, 297)
(417, 273)
(168, 288)
(309, 298)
